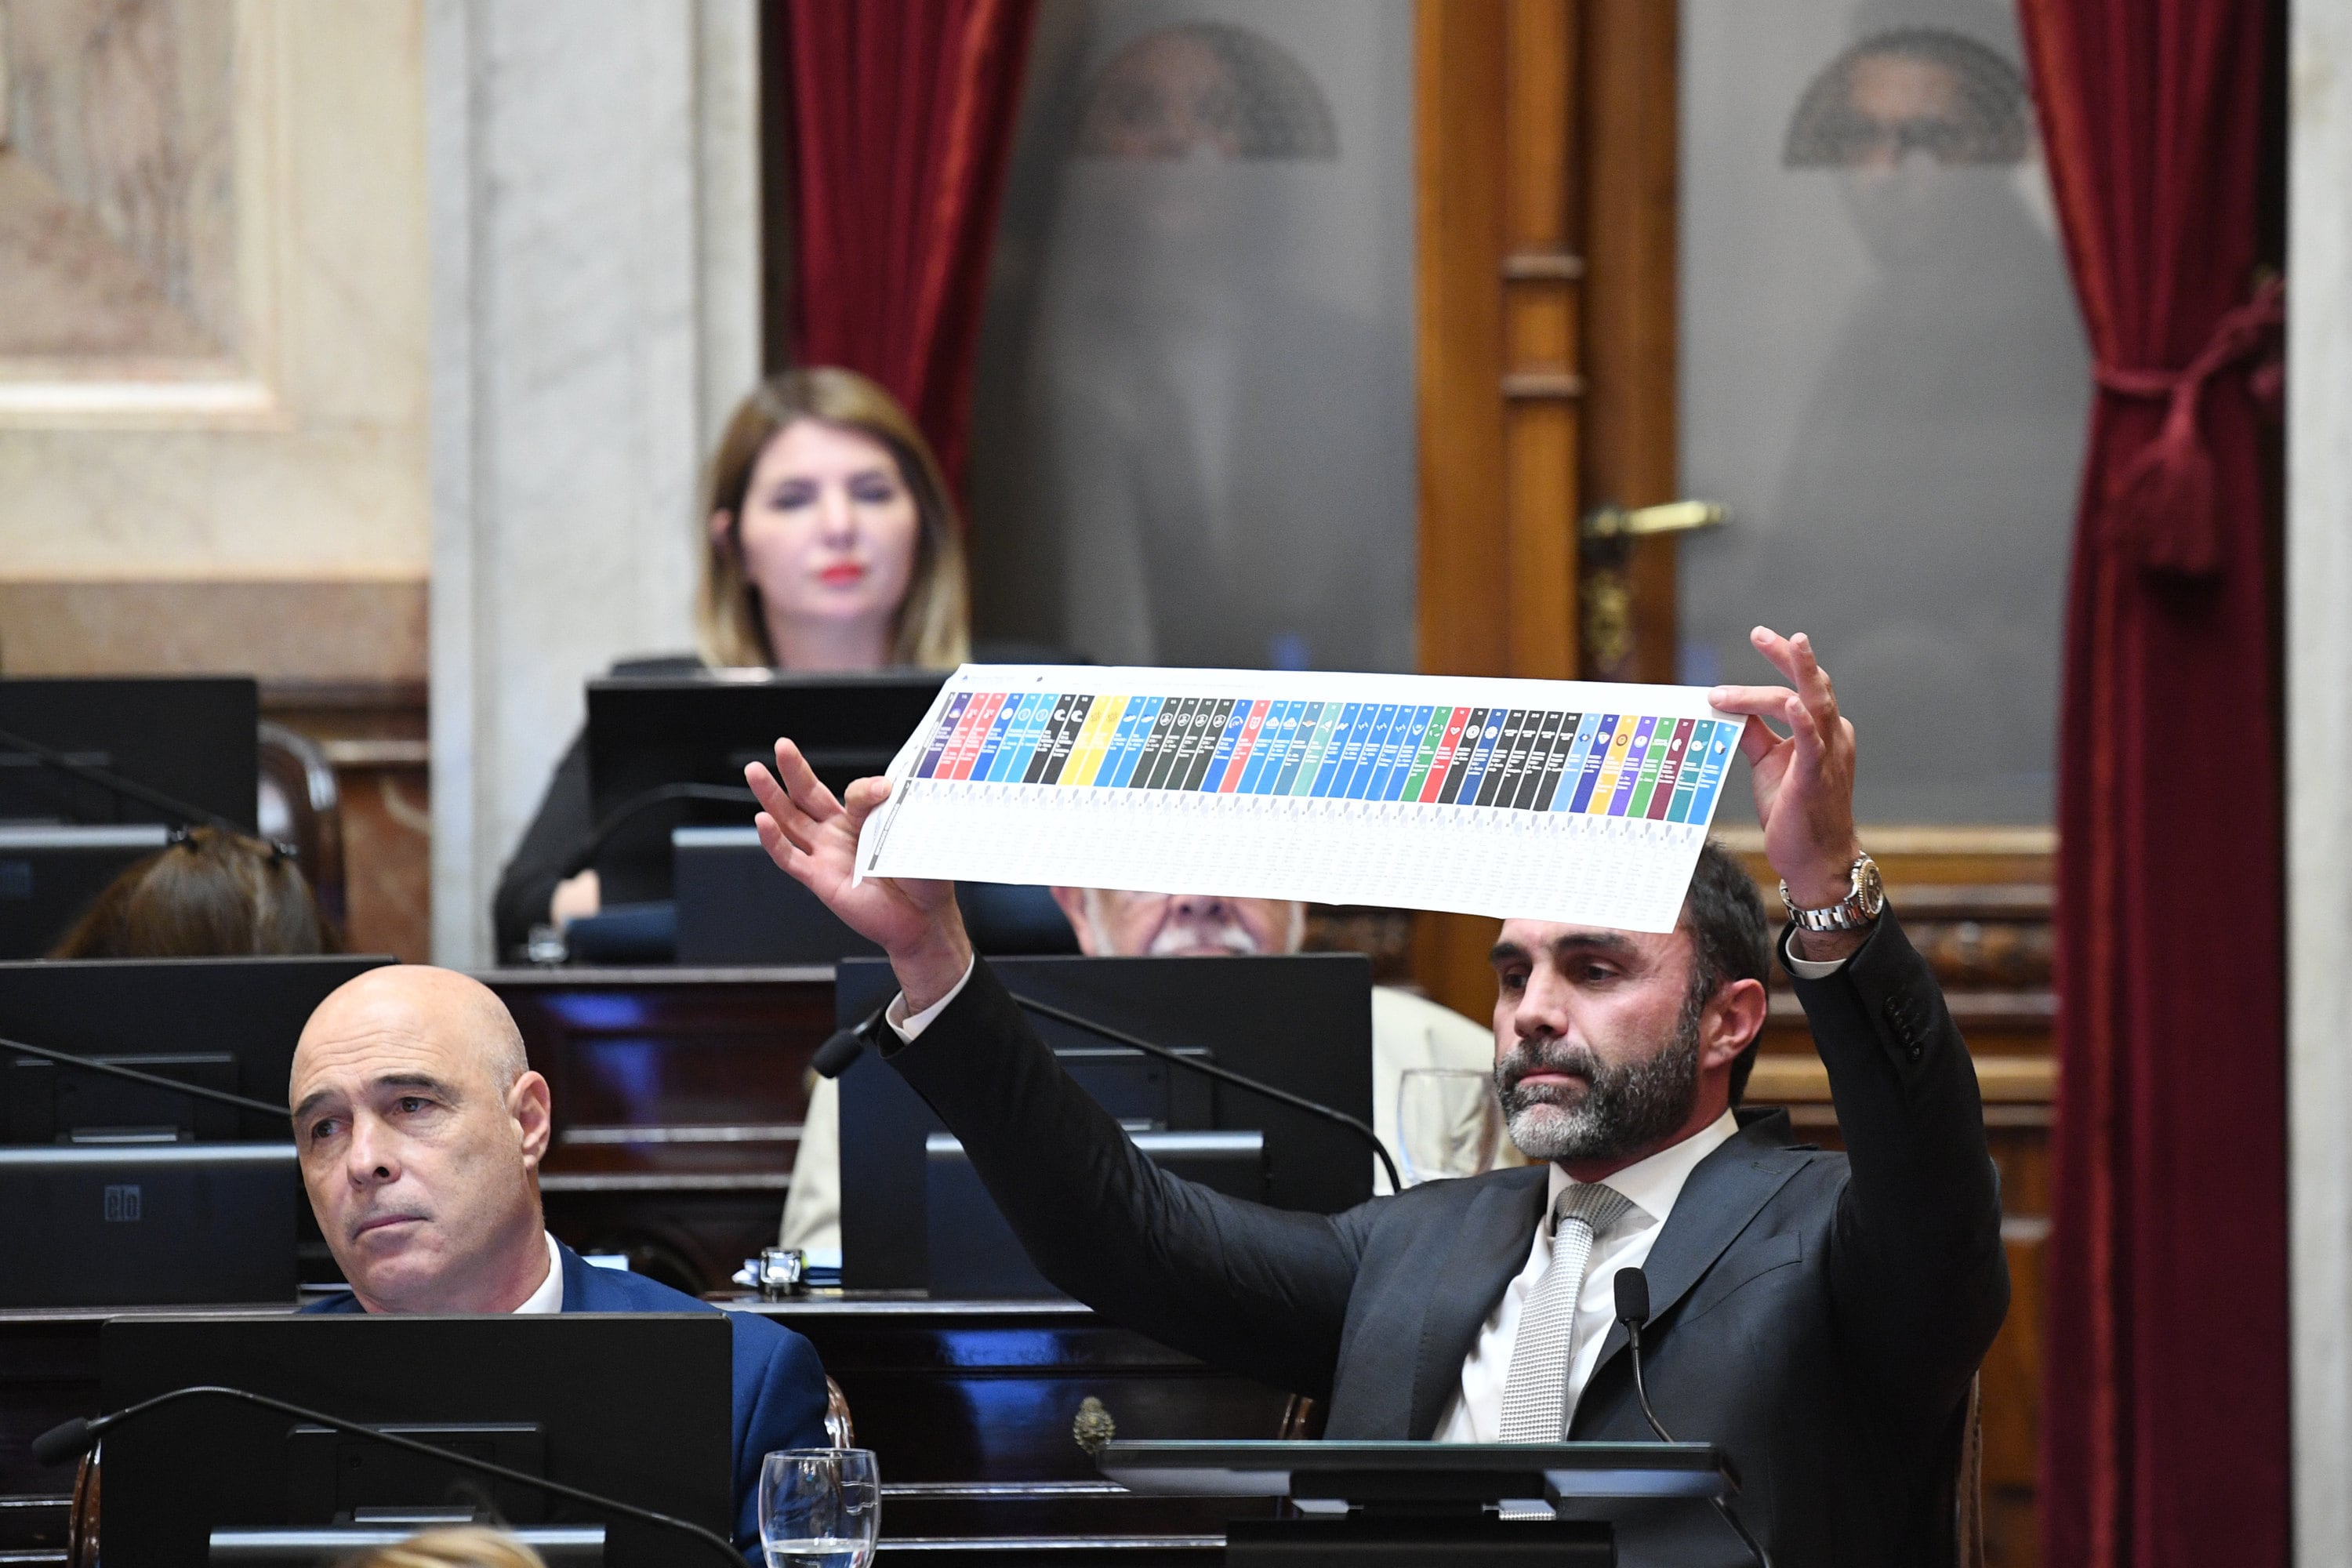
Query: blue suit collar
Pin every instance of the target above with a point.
(581, 1286)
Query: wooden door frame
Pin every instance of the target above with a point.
(1545, 169)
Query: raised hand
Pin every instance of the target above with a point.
(1804, 781)
(813, 837)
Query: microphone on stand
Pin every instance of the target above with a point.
(1633, 1311)
(70, 1440)
(833, 1058)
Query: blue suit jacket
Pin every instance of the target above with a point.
(780, 1393)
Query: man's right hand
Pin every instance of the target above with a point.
(814, 837)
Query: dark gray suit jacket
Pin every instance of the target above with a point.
(1819, 1315)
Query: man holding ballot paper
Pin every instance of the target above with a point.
(1818, 1316)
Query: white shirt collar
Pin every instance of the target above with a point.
(1656, 1181)
(548, 1297)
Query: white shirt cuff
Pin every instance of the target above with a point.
(1809, 968)
(907, 1028)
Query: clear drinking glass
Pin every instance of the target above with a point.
(1448, 1123)
(819, 1508)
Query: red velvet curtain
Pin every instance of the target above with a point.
(902, 119)
(2165, 1378)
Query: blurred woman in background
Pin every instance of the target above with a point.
(830, 544)
(212, 894)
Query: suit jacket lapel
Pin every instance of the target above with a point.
(1490, 1246)
(578, 1281)
(1723, 1194)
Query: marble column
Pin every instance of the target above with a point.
(593, 194)
(2319, 764)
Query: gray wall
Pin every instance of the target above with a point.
(593, 178)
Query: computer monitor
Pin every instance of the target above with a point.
(634, 1407)
(647, 731)
(133, 1225)
(52, 872)
(734, 907)
(188, 737)
(225, 1022)
(1300, 1023)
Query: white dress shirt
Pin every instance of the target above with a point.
(548, 1297)
(1475, 1415)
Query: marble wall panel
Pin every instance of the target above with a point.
(591, 221)
(224, 377)
(358, 631)
(117, 192)
(2319, 757)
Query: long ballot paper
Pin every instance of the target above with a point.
(1548, 799)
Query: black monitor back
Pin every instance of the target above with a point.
(51, 873)
(149, 1225)
(225, 1022)
(636, 1408)
(191, 738)
(1300, 1023)
(647, 731)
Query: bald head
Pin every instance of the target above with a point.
(420, 1128)
(459, 1012)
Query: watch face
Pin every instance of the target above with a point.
(1870, 889)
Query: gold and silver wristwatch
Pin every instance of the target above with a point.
(1865, 897)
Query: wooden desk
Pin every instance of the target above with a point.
(974, 1409)
(678, 1096)
(980, 1413)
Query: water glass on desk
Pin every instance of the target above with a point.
(1448, 1123)
(819, 1508)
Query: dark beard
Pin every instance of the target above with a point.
(1622, 1110)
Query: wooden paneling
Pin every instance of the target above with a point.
(1629, 209)
(1458, 86)
(374, 733)
(1539, 274)
(1501, 376)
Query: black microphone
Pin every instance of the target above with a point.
(833, 1058)
(1633, 1311)
(69, 1439)
(842, 1047)
(152, 1080)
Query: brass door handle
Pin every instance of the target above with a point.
(1647, 522)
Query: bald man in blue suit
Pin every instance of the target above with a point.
(420, 1127)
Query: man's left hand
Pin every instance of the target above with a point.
(1804, 781)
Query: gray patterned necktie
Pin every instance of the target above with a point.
(1534, 1393)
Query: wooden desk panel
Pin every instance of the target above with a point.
(678, 1098)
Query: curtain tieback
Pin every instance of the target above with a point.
(2160, 506)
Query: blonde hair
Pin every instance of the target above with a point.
(933, 626)
(470, 1547)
